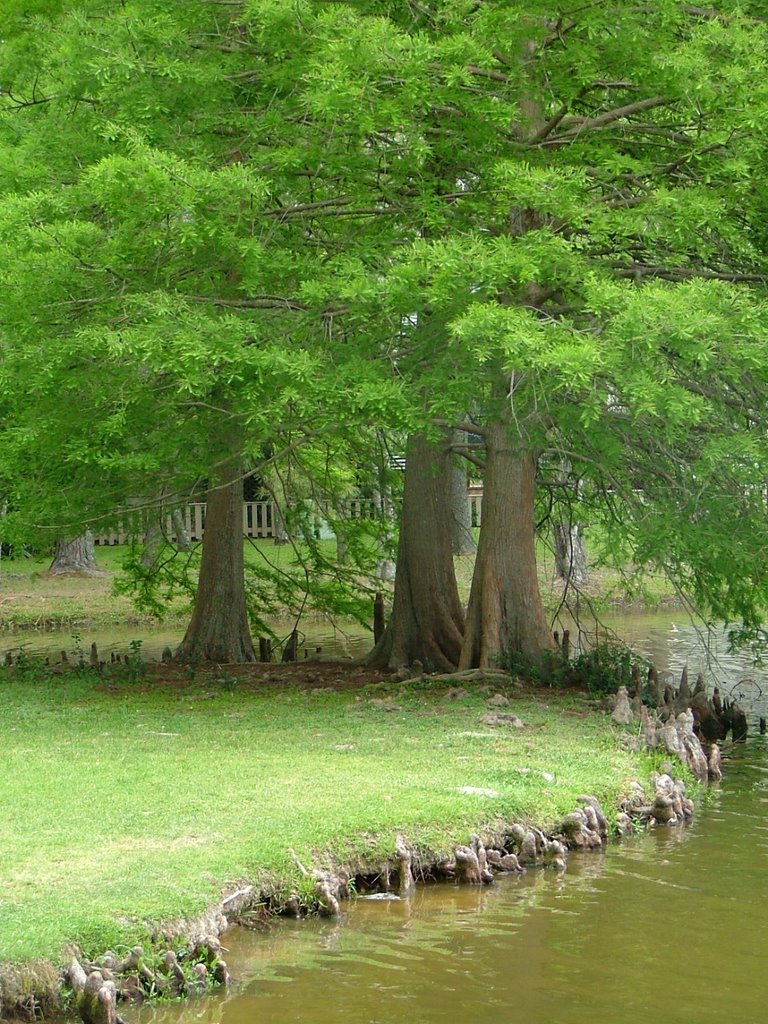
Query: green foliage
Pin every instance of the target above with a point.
(603, 668)
(255, 231)
(599, 669)
(134, 662)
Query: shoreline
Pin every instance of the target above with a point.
(40, 988)
(94, 990)
(31, 599)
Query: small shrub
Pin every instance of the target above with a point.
(134, 662)
(600, 670)
(603, 668)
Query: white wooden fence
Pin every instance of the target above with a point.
(259, 519)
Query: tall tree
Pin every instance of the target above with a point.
(600, 172)
(177, 217)
(311, 216)
(428, 621)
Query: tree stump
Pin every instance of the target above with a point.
(467, 866)
(405, 872)
(77, 557)
(95, 997)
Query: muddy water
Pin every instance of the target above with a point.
(348, 640)
(668, 638)
(671, 926)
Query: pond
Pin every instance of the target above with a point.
(668, 926)
(346, 640)
(668, 638)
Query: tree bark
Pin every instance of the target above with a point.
(570, 556)
(218, 630)
(462, 538)
(76, 556)
(427, 618)
(505, 615)
(182, 542)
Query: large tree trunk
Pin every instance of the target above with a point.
(462, 538)
(505, 616)
(427, 618)
(76, 556)
(218, 630)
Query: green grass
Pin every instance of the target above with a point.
(120, 807)
(30, 599)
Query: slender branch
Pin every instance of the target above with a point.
(470, 457)
(17, 104)
(255, 302)
(549, 127)
(466, 425)
(286, 211)
(496, 76)
(582, 123)
(683, 273)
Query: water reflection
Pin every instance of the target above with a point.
(668, 638)
(352, 640)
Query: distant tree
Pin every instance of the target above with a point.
(75, 557)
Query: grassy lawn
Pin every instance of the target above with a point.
(122, 803)
(30, 599)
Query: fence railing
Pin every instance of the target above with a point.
(259, 519)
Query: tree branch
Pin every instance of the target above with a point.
(465, 453)
(546, 129)
(16, 104)
(495, 76)
(584, 123)
(254, 302)
(683, 273)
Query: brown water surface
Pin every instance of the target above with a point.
(670, 926)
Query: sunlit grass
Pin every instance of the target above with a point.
(120, 807)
